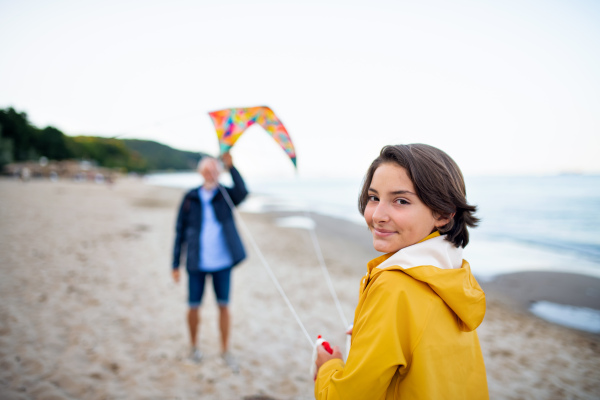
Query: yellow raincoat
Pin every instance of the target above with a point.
(414, 330)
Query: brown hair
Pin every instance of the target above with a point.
(438, 182)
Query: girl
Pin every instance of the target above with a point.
(419, 305)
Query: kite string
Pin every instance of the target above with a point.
(347, 326)
(315, 241)
(264, 262)
(269, 270)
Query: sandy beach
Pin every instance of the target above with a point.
(89, 310)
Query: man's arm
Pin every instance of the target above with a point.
(179, 235)
(238, 192)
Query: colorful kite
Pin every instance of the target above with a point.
(232, 122)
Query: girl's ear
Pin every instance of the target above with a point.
(442, 221)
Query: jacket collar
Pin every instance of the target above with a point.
(438, 263)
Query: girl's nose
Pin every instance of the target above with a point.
(381, 213)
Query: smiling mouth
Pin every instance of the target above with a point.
(382, 232)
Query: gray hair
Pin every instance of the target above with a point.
(205, 160)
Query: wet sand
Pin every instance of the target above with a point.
(89, 309)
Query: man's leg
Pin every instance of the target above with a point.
(193, 319)
(195, 292)
(221, 284)
(224, 322)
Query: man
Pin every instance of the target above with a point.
(206, 226)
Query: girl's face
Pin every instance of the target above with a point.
(396, 216)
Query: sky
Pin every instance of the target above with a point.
(505, 87)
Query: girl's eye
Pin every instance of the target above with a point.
(372, 198)
(402, 201)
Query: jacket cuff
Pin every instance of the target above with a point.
(335, 364)
(325, 373)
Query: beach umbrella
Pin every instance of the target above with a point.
(231, 123)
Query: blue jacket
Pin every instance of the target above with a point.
(189, 222)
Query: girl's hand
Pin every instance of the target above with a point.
(323, 356)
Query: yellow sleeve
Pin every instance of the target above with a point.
(324, 377)
(379, 346)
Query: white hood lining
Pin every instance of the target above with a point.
(435, 251)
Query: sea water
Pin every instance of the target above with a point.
(543, 223)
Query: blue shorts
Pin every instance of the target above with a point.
(221, 282)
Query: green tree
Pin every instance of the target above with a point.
(6, 150)
(162, 157)
(110, 153)
(16, 128)
(52, 143)
(21, 141)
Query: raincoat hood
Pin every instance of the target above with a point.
(438, 263)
